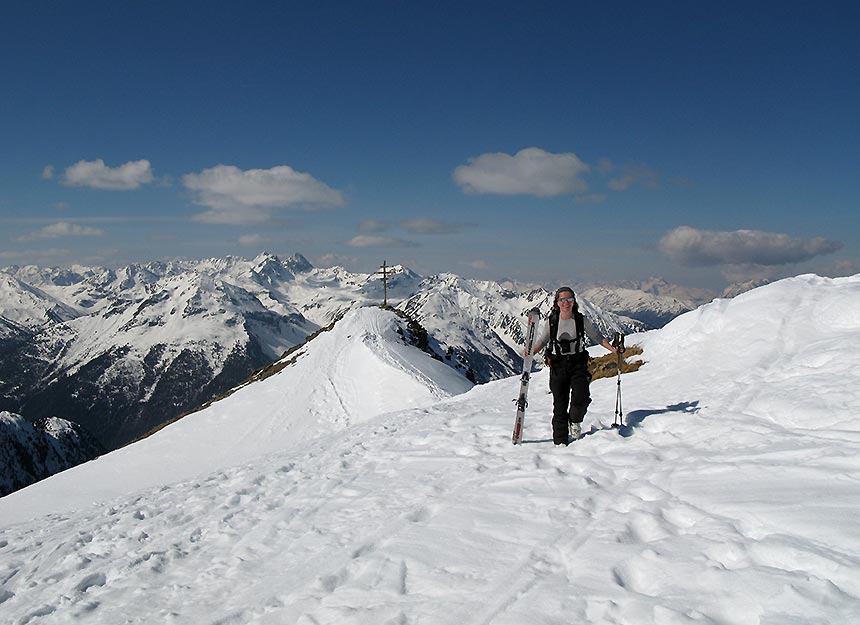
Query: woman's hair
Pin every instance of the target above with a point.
(562, 290)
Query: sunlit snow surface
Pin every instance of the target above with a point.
(730, 498)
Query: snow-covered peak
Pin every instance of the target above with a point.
(362, 367)
(653, 302)
(368, 358)
(298, 263)
(28, 306)
(742, 287)
(134, 275)
(401, 282)
(268, 269)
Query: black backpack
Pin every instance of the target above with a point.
(553, 347)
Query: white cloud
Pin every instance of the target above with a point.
(29, 255)
(847, 266)
(48, 172)
(235, 196)
(363, 240)
(531, 171)
(702, 248)
(424, 225)
(605, 166)
(246, 217)
(478, 264)
(333, 260)
(373, 225)
(254, 240)
(635, 174)
(96, 175)
(62, 229)
(591, 198)
(739, 274)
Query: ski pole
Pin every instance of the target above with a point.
(618, 344)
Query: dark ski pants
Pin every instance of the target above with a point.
(568, 381)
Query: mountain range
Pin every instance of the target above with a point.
(123, 351)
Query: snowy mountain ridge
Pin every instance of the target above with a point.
(364, 366)
(653, 301)
(730, 496)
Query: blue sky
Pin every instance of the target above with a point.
(546, 141)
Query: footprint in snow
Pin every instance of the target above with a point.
(330, 583)
(419, 515)
(682, 515)
(647, 492)
(644, 527)
(362, 551)
(94, 579)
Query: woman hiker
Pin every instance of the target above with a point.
(566, 332)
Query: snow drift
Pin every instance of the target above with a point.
(731, 497)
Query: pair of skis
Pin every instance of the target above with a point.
(522, 398)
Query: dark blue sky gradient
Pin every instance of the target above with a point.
(746, 113)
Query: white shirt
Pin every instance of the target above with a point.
(567, 332)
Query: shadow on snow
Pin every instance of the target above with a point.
(631, 421)
(635, 418)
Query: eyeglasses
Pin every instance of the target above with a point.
(566, 300)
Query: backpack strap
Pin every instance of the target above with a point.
(552, 346)
(580, 331)
(552, 343)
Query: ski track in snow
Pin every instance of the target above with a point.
(716, 506)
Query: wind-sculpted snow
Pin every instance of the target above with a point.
(729, 498)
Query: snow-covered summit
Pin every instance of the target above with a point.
(763, 351)
(363, 367)
(28, 306)
(653, 301)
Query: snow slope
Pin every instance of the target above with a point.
(350, 374)
(729, 499)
